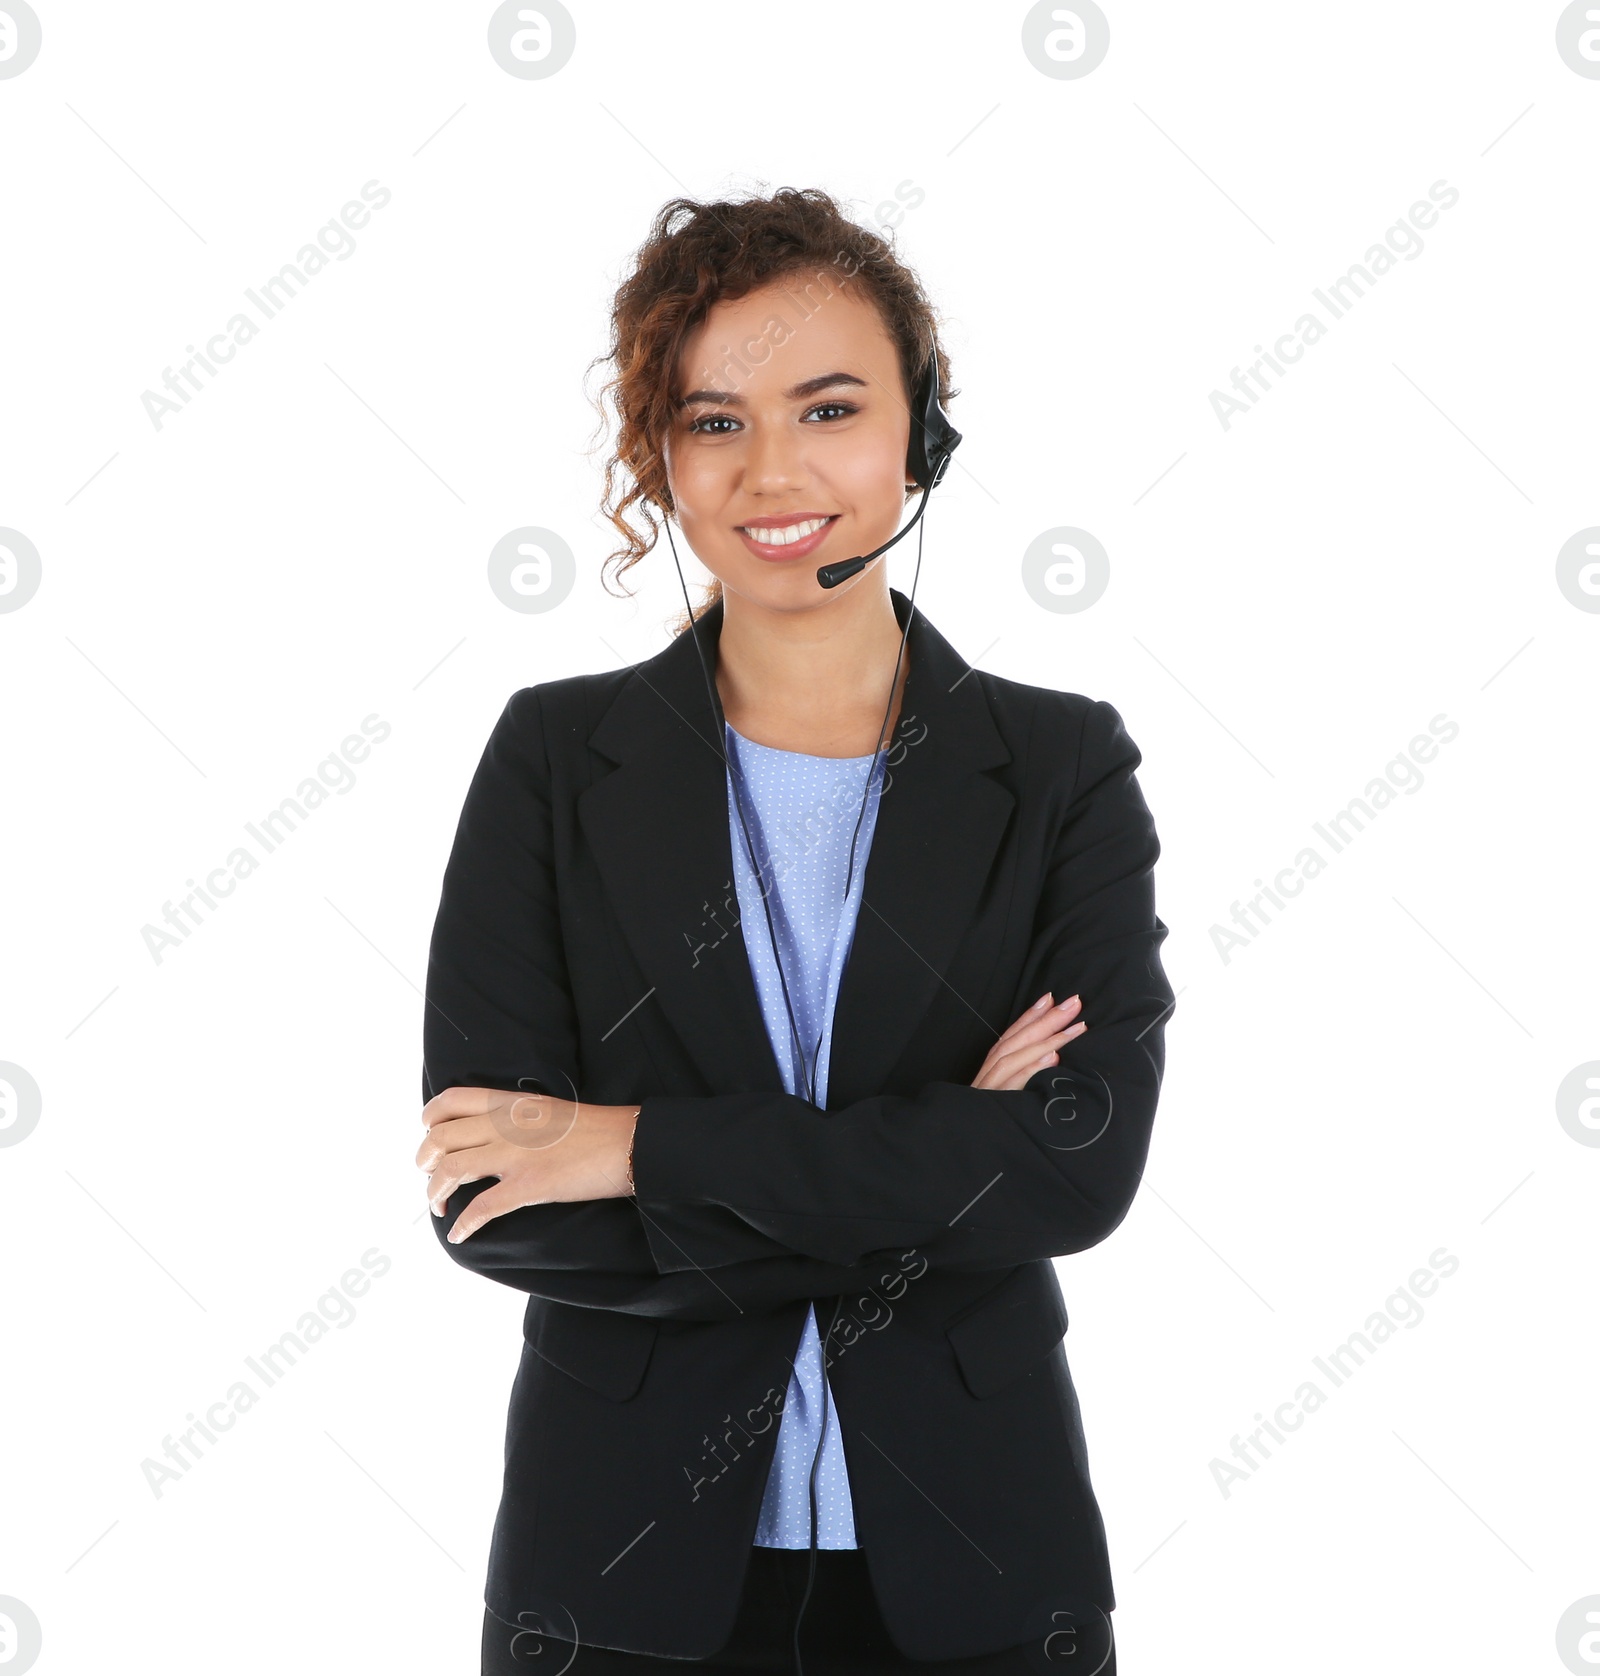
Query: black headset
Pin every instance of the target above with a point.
(933, 438)
(932, 441)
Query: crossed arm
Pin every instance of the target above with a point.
(746, 1201)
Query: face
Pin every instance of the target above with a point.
(788, 450)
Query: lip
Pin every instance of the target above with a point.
(775, 554)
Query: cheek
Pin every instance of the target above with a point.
(698, 487)
(872, 471)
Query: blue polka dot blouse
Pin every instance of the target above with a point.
(801, 813)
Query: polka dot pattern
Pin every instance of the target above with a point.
(800, 812)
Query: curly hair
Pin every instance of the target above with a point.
(696, 255)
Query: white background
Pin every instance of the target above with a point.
(1291, 600)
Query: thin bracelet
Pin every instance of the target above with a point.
(631, 1139)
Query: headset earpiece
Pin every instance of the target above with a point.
(933, 438)
(932, 441)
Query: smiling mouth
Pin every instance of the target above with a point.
(786, 535)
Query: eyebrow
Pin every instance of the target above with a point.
(809, 387)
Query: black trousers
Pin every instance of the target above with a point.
(841, 1634)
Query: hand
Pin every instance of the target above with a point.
(1031, 1044)
(542, 1149)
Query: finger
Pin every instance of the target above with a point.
(442, 1184)
(1015, 1081)
(1037, 1010)
(457, 1170)
(999, 1068)
(454, 1134)
(1038, 1021)
(445, 1104)
(1036, 1033)
(457, 1102)
(497, 1201)
(1035, 1028)
(1014, 1069)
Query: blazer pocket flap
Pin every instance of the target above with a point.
(600, 1348)
(1009, 1330)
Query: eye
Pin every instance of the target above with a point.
(834, 409)
(703, 426)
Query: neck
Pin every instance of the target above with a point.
(820, 675)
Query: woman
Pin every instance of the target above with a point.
(742, 1018)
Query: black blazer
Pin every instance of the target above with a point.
(588, 944)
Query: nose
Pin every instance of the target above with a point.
(775, 460)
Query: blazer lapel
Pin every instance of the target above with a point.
(658, 828)
(939, 825)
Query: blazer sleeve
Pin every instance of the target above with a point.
(972, 1178)
(499, 1013)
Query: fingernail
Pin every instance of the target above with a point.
(1044, 1000)
(1068, 1002)
(1049, 1059)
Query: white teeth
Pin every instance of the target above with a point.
(782, 535)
